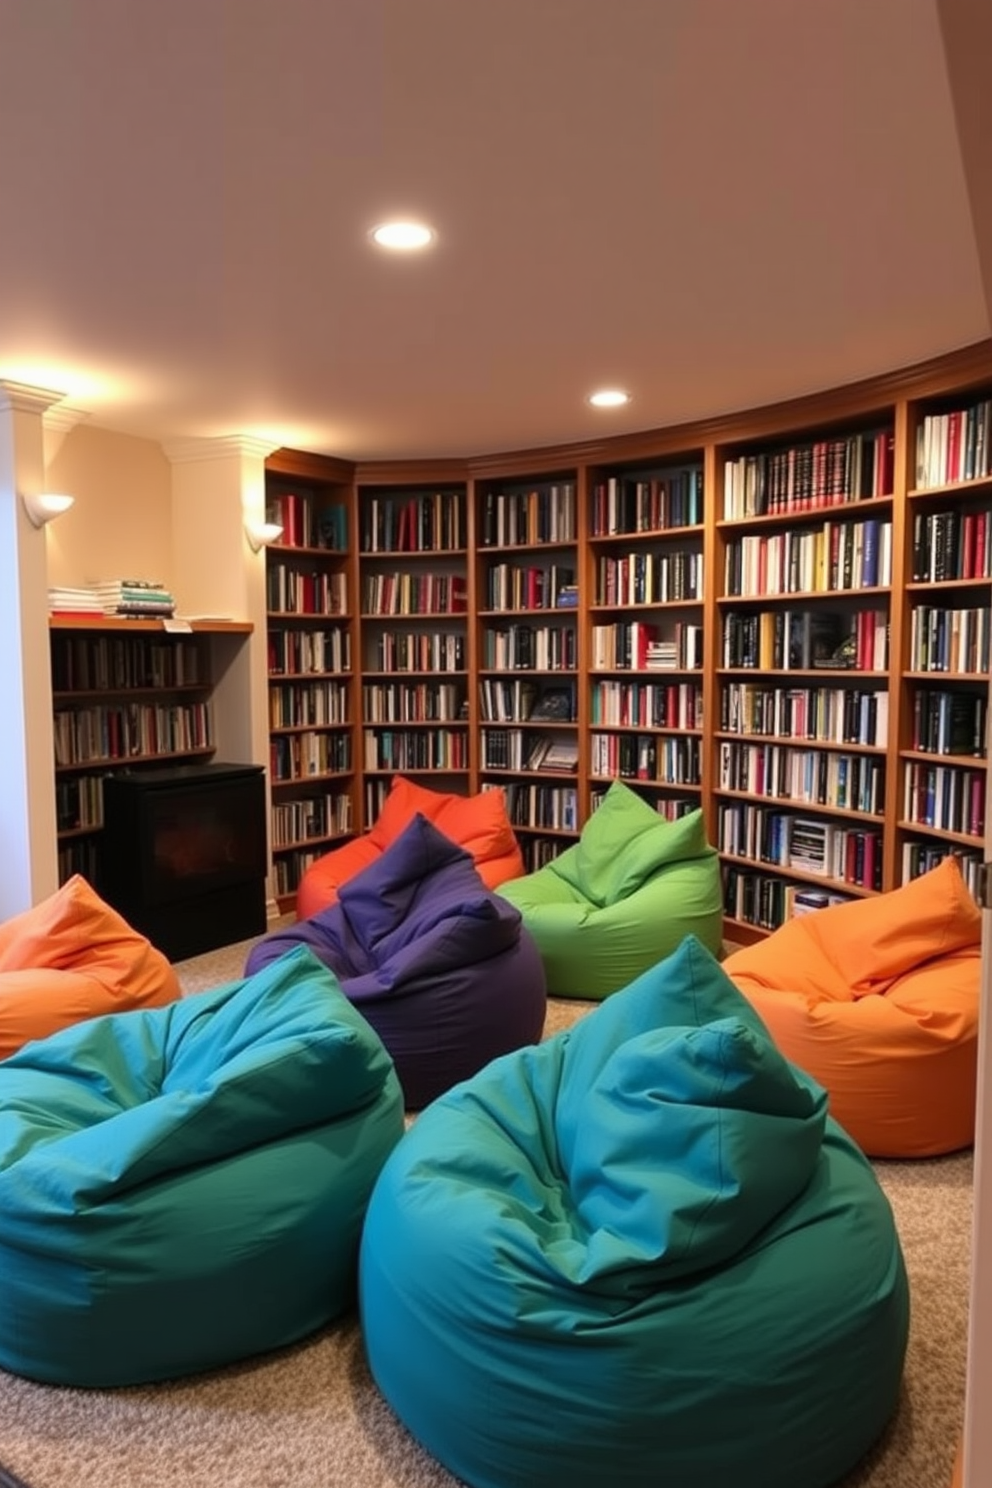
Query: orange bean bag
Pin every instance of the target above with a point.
(73, 957)
(478, 823)
(878, 1000)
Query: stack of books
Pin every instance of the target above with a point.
(63, 601)
(134, 597)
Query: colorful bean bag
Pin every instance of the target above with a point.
(878, 1000)
(622, 897)
(439, 965)
(638, 1253)
(478, 823)
(186, 1186)
(71, 957)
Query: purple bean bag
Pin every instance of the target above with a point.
(442, 968)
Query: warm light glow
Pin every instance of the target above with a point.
(260, 534)
(404, 236)
(43, 507)
(609, 398)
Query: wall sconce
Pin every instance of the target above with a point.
(260, 534)
(43, 507)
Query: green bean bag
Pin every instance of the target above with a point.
(622, 897)
(638, 1254)
(186, 1186)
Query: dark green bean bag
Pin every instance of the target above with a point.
(638, 1254)
(622, 897)
(183, 1187)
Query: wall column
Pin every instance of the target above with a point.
(216, 484)
(29, 871)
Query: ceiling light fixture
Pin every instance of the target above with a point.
(46, 505)
(405, 237)
(609, 398)
(260, 534)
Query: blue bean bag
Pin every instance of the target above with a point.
(639, 1254)
(439, 965)
(185, 1186)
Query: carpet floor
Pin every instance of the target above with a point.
(311, 1417)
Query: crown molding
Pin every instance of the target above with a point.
(22, 397)
(56, 423)
(190, 451)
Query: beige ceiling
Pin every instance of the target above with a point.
(714, 203)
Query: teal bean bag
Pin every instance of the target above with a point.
(622, 897)
(185, 1186)
(637, 1254)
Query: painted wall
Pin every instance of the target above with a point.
(121, 524)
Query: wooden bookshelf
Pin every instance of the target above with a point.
(645, 575)
(310, 650)
(413, 587)
(527, 644)
(127, 694)
(723, 570)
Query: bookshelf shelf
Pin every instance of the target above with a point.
(310, 599)
(127, 695)
(413, 632)
(834, 885)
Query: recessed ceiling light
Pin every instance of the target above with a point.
(609, 398)
(404, 236)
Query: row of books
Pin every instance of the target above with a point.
(949, 640)
(511, 586)
(519, 699)
(669, 500)
(290, 592)
(78, 802)
(676, 760)
(108, 663)
(407, 702)
(526, 518)
(414, 594)
(311, 819)
(288, 868)
(541, 648)
(308, 705)
(767, 901)
(538, 851)
(954, 446)
(919, 857)
(814, 473)
(672, 808)
(649, 578)
(951, 545)
(950, 722)
(837, 715)
(804, 640)
(945, 797)
(400, 651)
(647, 704)
(429, 523)
(552, 808)
(308, 755)
(130, 731)
(830, 559)
(849, 782)
(307, 521)
(641, 645)
(415, 749)
(804, 844)
(293, 653)
(515, 749)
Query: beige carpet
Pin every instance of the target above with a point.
(310, 1416)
